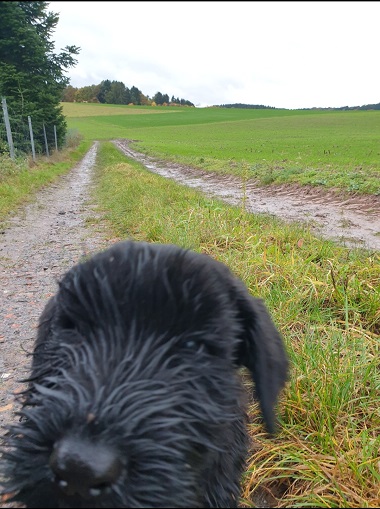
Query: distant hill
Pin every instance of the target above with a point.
(365, 107)
(262, 107)
(246, 106)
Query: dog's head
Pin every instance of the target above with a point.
(134, 383)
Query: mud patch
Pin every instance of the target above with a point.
(350, 219)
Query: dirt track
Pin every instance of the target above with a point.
(352, 219)
(41, 242)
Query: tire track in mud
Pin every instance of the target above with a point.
(352, 221)
(39, 244)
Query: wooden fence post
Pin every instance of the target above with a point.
(31, 137)
(8, 128)
(46, 143)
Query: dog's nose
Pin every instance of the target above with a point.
(84, 468)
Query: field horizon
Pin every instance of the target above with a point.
(318, 148)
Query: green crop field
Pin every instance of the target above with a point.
(324, 148)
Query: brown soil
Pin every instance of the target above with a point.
(48, 236)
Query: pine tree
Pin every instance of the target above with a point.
(157, 98)
(31, 75)
(105, 87)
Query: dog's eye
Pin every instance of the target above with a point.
(65, 322)
(193, 345)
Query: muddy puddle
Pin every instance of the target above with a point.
(353, 220)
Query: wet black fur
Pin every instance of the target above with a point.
(137, 355)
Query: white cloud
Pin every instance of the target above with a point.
(284, 54)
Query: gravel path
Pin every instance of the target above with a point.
(41, 243)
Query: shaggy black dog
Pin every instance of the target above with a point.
(135, 399)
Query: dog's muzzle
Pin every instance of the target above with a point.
(84, 468)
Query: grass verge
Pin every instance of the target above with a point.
(325, 300)
(21, 179)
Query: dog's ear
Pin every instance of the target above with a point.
(262, 351)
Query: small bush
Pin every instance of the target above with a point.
(73, 138)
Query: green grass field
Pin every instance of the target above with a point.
(323, 148)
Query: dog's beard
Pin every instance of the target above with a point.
(148, 415)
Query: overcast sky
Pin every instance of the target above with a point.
(282, 54)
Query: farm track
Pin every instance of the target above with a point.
(351, 219)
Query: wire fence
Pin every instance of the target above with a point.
(18, 137)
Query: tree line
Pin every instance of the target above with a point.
(116, 92)
(364, 107)
(246, 106)
(262, 107)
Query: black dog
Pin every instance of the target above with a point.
(134, 398)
